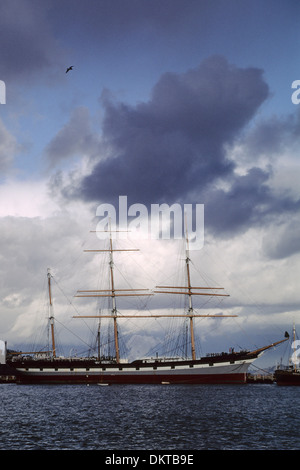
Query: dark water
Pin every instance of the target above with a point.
(249, 417)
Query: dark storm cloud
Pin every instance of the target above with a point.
(249, 200)
(76, 137)
(174, 148)
(28, 46)
(165, 149)
(34, 33)
(248, 203)
(271, 136)
(110, 18)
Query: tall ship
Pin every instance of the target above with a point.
(106, 369)
(289, 374)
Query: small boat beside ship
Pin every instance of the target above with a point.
(49, 368)
(289, 374)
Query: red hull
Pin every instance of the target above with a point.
(224, 368)
(133, 379)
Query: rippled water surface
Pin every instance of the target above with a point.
(212, 417)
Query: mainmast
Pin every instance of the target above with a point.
(113, 296)
(51, 316)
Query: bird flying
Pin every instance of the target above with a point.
(69, 68)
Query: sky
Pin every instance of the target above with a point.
(169, 101)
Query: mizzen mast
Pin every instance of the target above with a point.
(190, 291)
(294, 343)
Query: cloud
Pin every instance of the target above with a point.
(249, 202)
(75, 138)
(26, 199)
(285, 240)
(8, 148)
(194, 141)
(30, 245)
(28, 46)
(167, 148)
(268, 139)
(114, 19)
